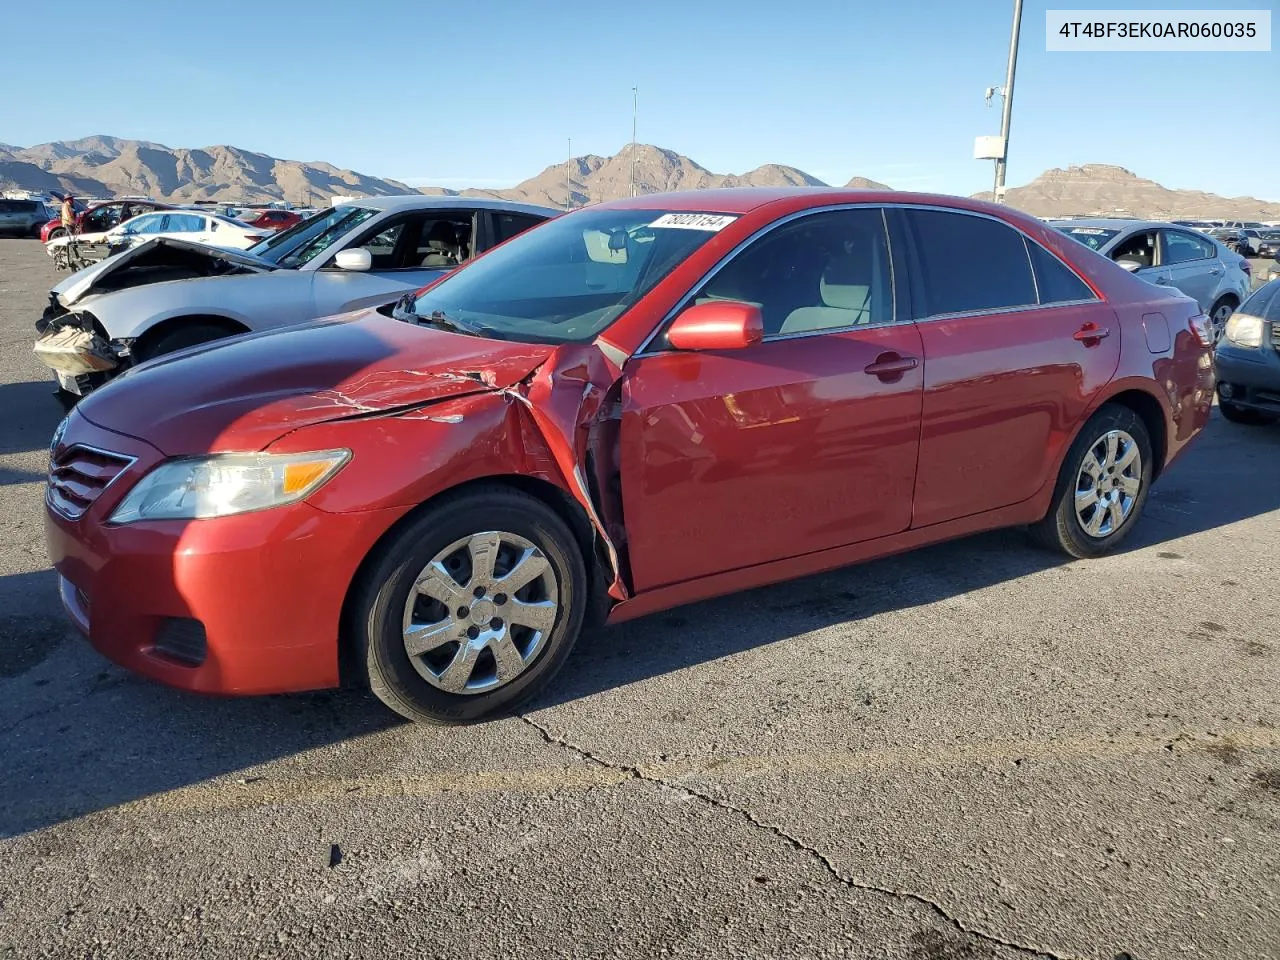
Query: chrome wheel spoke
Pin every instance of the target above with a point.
(420, 638)
(1129, 455)
(483, 548)
(455, 676)
(1113, 444)
(531, 565)
(507, 657)
(1091, 467)
(437, 583)
(1130, 486)
(1086, 498)
(1094, 526)
(1117, 515)
(537, 616)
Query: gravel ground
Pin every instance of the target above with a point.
(977, 750)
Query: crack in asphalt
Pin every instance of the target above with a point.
(792, 841)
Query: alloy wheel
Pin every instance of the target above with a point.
(1108, 483)
(480, 612)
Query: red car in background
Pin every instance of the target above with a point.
(633, 406)
(273, 220)
(102, 217)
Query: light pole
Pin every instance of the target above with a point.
(997, 194)
(568, 191)
(635, 104)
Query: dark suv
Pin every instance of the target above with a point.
(22, 218)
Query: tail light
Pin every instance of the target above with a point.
(1203, 329)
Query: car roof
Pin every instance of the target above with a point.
(1116, 223)
(422, 201)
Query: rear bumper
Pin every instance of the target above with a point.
(250, 604)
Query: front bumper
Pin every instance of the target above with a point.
(1249, 377)
(249, 604)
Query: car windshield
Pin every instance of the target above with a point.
(1095, 238)
(308, 239)
(569, 278)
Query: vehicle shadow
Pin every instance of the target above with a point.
(31, 411)
(1231, 473)
(78, 735)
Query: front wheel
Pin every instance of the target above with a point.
(471, 607)
(1102, 487)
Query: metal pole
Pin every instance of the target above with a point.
(635, 104)
(1003, 162)
(568, 192)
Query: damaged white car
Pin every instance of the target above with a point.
(167, 294)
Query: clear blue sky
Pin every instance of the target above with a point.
(487, 93)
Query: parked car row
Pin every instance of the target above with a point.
(171, 292)
(576, 418)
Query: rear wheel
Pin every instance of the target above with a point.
(1102, 487)
(1220, 313)
(470, 608)
(1245, 415)
(57, 232)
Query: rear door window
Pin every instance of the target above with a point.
(969, 264)
(1182, 247)
(507, 225)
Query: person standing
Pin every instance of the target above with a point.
(68, 213)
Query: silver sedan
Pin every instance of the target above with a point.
(168, 294)
(1170, 255)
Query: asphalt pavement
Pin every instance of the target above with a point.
(978, 750)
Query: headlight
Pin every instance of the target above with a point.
(1244, 330)
(195, 488)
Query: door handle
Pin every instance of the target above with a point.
(1090, 331)
(890, 366)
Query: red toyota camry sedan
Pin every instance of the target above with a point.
(633, 406)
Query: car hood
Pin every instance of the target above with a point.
(74, 287)
(242, 394)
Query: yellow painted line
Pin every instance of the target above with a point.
(224, 794)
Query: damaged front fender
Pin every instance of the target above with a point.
(557, 424)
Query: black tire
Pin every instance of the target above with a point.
(1245, 415)
(188, 335)
(378, 603)
(1061, 529)
(56, 232)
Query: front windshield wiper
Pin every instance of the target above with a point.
(436, 318)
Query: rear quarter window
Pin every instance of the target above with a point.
(970, 263)
(1055, 282)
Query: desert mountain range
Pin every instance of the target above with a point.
(105, 166)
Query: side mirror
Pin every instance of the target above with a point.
(357, 259)
(717, 325)
(1133, 266)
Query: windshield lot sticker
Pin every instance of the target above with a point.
(693, 221)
